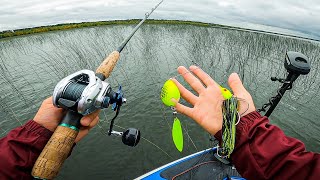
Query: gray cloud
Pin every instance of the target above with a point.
(302, 16)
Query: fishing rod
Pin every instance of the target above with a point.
(83, 93)
(296, 64)
(124, 42)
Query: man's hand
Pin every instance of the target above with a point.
(207, 111)
(50, 117)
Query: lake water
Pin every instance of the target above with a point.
(30, 67)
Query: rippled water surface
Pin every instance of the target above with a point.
(31, 66)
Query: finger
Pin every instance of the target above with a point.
(86, 120)
(94, 122)
(247, 106)
(204, 77)
(236, 84)
(48, 101)
(185, 93)
(191, 79)
(85, 130)
(184, 109)
(82, 133)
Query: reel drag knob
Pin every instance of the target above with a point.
(131, 137)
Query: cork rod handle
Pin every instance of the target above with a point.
(57, 148)
(108, 64)
(54, 153)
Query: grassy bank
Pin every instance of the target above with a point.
(41, 29)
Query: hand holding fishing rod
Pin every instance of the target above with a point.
(83, 93)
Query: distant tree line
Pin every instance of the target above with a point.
(67, 26)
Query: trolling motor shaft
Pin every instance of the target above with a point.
(296, 64)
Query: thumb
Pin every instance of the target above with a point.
(236, 84)
(241, 92)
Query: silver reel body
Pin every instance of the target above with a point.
(83, 92)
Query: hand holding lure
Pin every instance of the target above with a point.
(230, 116)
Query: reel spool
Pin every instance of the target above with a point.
(83, 93)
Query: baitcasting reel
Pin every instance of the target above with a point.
(296, 64)
(83, 93)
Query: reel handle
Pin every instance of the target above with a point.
(58, 147)
(108, 64)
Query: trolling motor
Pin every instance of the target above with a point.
(296, 64)
(82, 93)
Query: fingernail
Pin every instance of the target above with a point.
(175, 101)
(85, 122)
(235, 74)
(180, 67)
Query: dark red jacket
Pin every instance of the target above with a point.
(20, 149)
(262, 151)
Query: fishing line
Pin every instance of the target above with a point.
(186, 132)
(186, 127)
(157, 147)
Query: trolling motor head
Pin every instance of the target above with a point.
(296, 64)
(83, 93)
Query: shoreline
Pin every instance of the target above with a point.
(67, 26)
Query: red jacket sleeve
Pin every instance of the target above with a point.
(20, 149)
(263, 151)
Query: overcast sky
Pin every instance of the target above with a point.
(296, 15)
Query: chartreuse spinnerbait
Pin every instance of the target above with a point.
(170, 91)
(230, 118)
